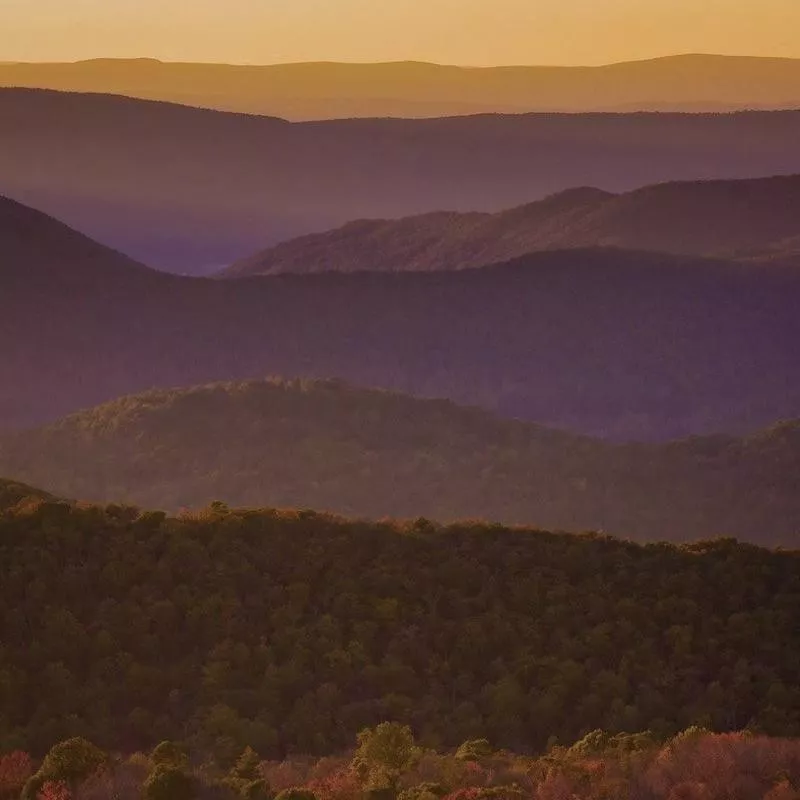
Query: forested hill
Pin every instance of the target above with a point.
(326, 445)
(292, 631)
(744, 219)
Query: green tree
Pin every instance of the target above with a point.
(247, 766)
(169, 754)
(70, 762)
(474, 750)
(384, 753)
(168, 783)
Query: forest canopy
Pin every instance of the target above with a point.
(290, 631)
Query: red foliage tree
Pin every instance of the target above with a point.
(15, 769)
(339, 785)
(54, 790)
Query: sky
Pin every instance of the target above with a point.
(471, 32)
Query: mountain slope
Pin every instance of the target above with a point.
(409, 89)
(608, 342)
(33, 244)
(193, 190)
(429, 242)
(328, 446)
(49, 275)
(754, 219)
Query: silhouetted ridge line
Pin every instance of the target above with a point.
(753, 220)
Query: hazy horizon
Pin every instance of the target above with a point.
(359, 63)
(457, 32)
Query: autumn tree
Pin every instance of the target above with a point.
(54, 790)
(15, 769)
(383, 754)
(70, 762)
(474, 750)
(169, 754)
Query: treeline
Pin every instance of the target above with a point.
(290, 631)
(388, 764)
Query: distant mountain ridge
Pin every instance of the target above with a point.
(329, 446)
(307, 91)
(603, 341)
(192, 191)
(744, 219)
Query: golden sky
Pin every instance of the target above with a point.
(482, 32)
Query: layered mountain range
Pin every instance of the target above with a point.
(693, 82)
(192, 190)
(616, 343)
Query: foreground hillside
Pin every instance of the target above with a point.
(375, 454)
(292, 631)
(747, 219)
(194, 190)
(614, 343)
(412, 89)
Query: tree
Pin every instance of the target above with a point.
(255, 790)
(384, 753)
(71, 762)
(169, 754)
(342, 784)
(168, 783)
(246, 778)
(54, 790)
(474, 750)
(247, 766)
(594, 742)
(15, 769)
